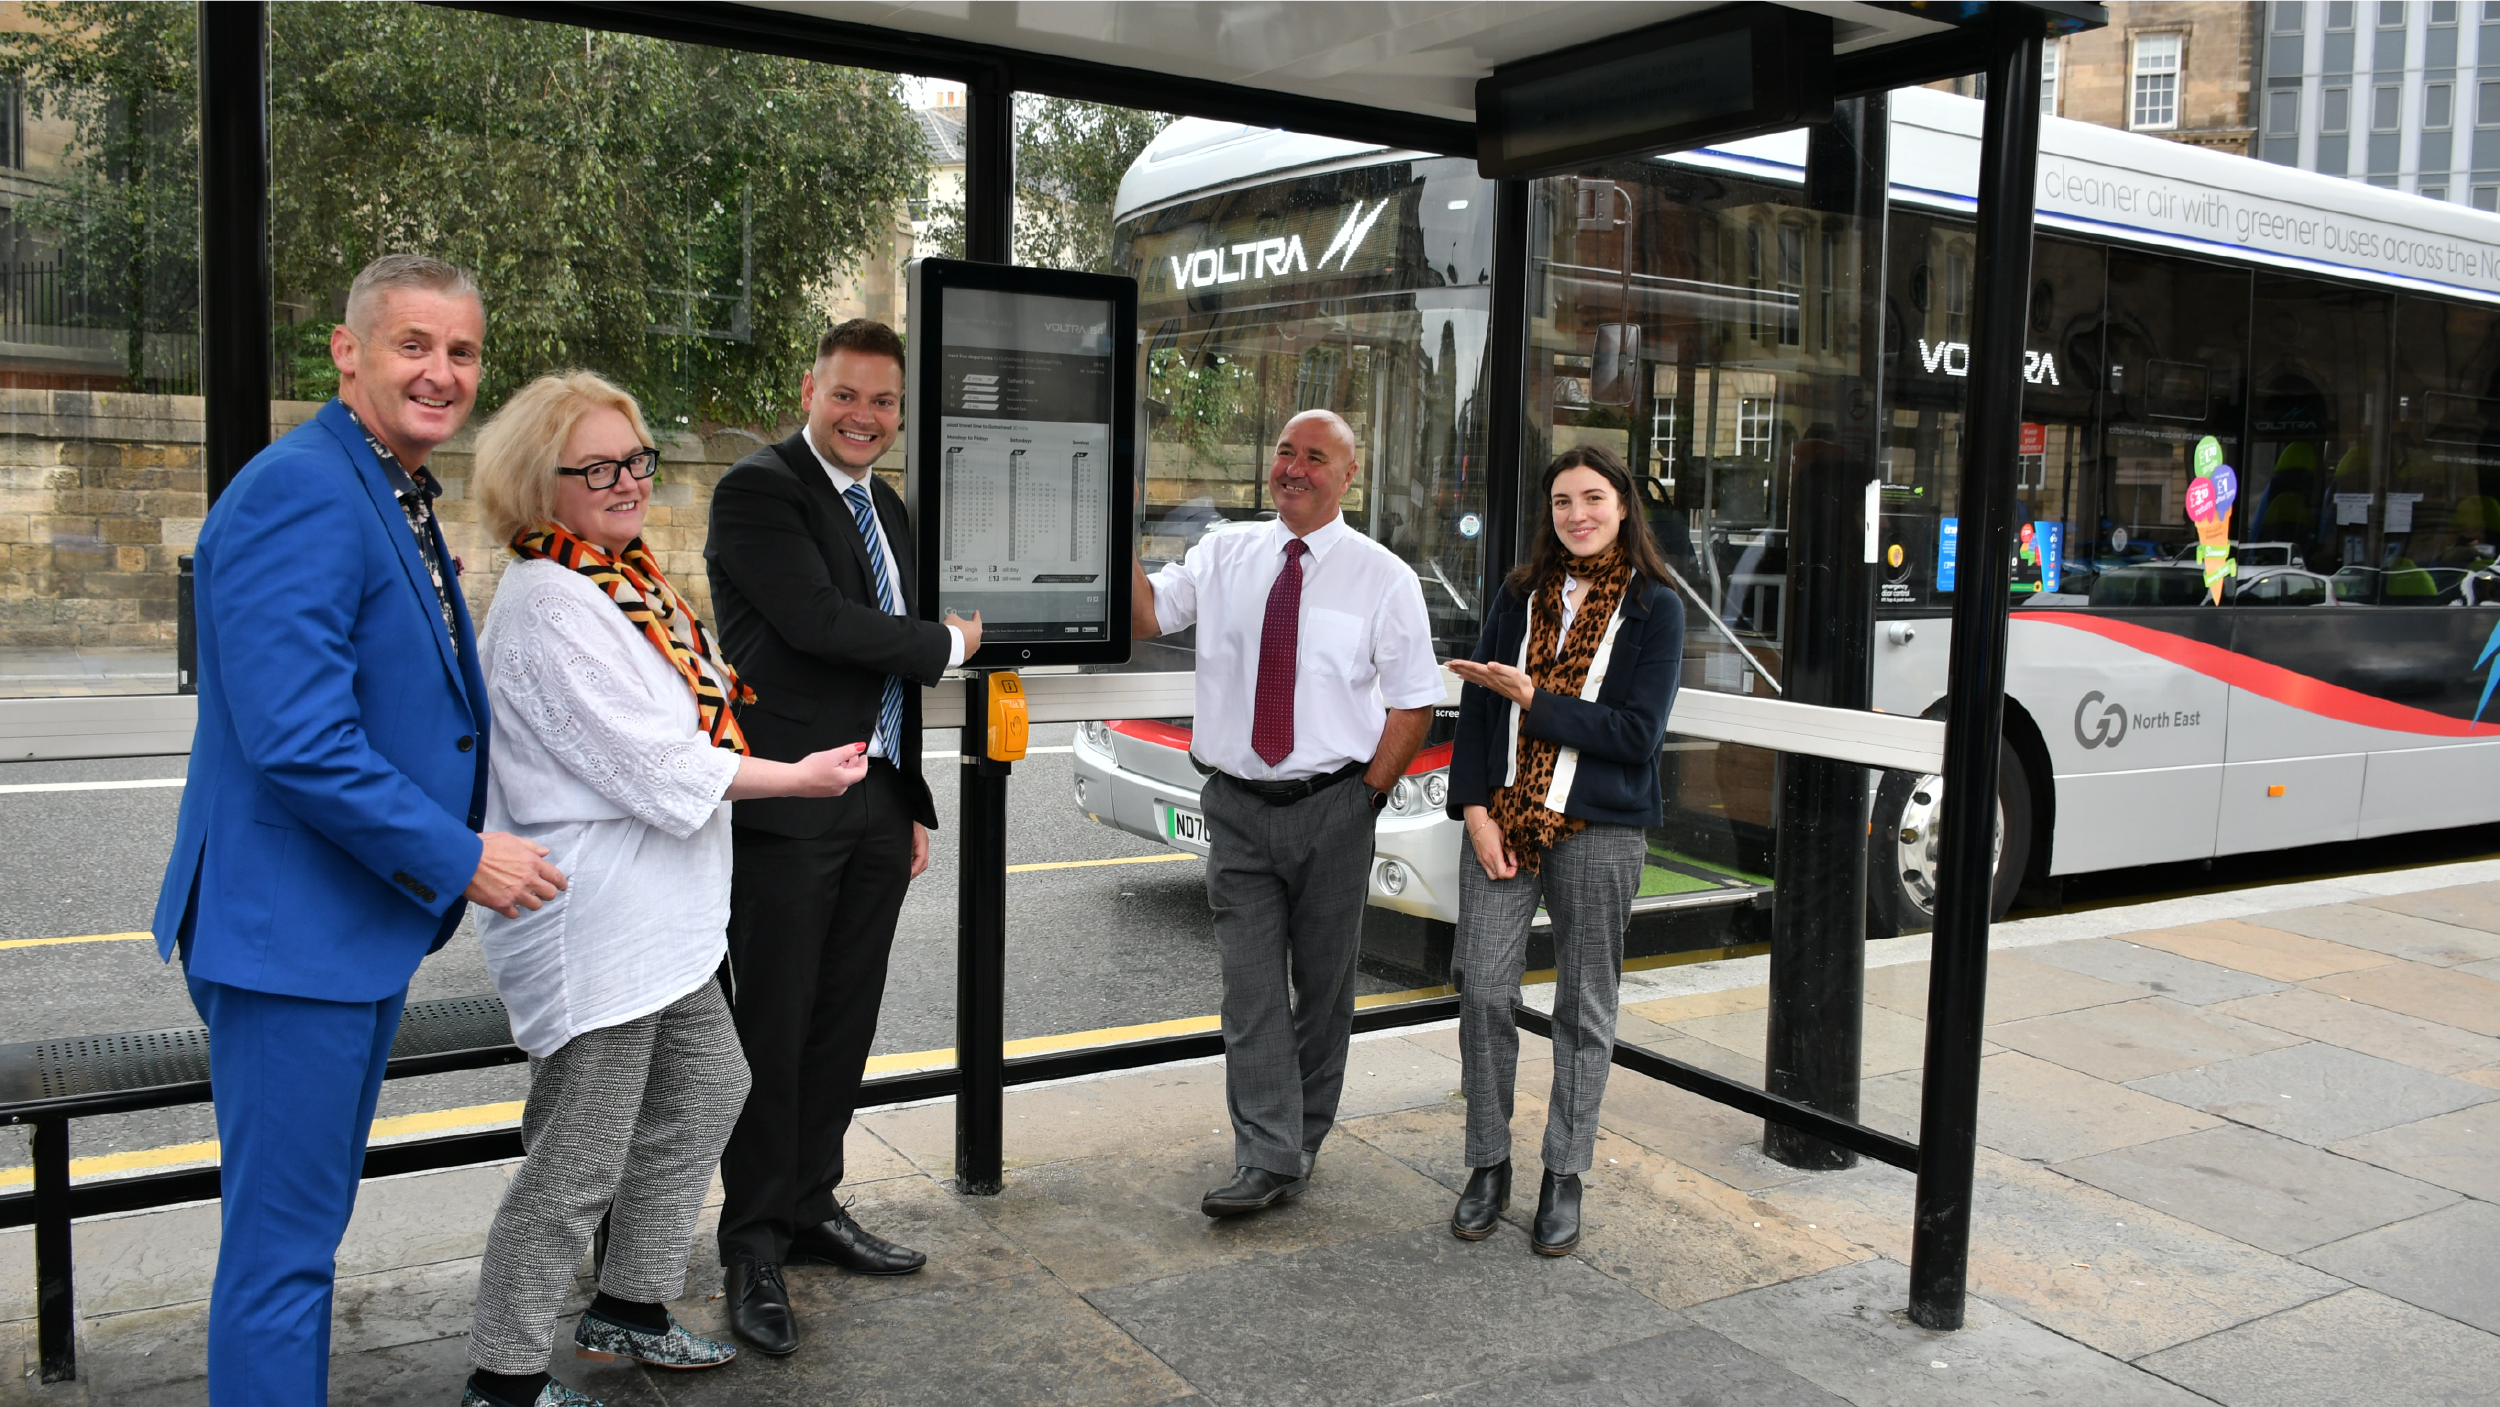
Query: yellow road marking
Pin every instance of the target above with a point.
(175, 1155)
(1088, 864)
(82, 938)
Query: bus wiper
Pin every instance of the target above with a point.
(1721, 626)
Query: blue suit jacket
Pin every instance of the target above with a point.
(338, 774)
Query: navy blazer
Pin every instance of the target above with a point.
(1618, 733)
(338, 773)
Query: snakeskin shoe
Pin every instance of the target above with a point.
(601, 1341)
(554, 1394)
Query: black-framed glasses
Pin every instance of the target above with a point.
(642, 464)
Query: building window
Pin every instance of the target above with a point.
(1792, 255)
(2156, 82)
(2288, 16)
(2048, 78)
(1825, 313)
(2387, 107)
(2435, 193)
(2438, 106)
(13, 123)
(2283, 113)
(2339, 14)
(2335, 110)
(2487, 198)
(2391, 14)
(2443, 11)
(1753, 427)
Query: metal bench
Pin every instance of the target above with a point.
(48, 1083)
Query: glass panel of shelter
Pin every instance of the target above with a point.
(1746, 317)
(101, 488)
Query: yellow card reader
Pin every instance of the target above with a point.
(1009, 728)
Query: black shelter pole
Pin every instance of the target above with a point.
(990, 169)
(1818, 907)
(981, 813)
(2009, 156)
(981, 955)
(235, 294)
(1506, 388)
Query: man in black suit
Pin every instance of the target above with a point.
(810, 557)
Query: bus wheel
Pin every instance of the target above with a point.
(1901, 848)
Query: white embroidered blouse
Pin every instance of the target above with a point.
(596, 754)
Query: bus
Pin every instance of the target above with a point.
(2338, 344)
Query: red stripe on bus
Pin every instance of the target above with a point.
(1146, 730)
(2271, 681)
(1431, 759)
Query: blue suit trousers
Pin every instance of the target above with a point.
(296, 1080)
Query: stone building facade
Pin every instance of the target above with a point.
(101, 493)
(2183, 71)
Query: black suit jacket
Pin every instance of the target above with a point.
(800, 623)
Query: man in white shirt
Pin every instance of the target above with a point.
(1316, 683)
(811, 561)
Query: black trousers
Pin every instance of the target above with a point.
(811, 923)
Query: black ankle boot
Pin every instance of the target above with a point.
(1558, 1214)
(1480, 1207)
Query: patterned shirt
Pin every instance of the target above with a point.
(416, 493)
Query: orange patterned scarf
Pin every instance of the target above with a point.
(1558, 665)
(653, 607)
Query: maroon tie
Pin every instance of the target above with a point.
(1271, 727)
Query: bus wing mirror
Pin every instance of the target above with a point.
(1615, 364)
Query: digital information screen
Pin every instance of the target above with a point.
(1022, 404)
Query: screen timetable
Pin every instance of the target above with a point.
(1022, 405)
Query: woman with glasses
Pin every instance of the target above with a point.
(616, 748)
(1555, 773)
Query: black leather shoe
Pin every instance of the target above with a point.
(759, 1307)
(1480, 1207)
(1558, 1214)
(845, 1243)
(1252, 1190)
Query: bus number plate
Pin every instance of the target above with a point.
(1185, 828)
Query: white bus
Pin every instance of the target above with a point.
(2340, 342)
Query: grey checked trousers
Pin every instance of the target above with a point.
(1587, 887)
(1287, 884)
(630, 1117)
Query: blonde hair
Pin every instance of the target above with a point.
(518, 452)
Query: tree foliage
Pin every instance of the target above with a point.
(1070, 157)
(670, 215)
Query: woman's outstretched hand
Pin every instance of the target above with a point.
(831, 772)
(1486, 837)
(1506, 680)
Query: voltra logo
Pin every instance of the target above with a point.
(2109, 725)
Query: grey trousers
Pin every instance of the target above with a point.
(630, 1117)
(1587, 887)
(1287, 884)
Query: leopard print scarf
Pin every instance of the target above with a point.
(1558, 665)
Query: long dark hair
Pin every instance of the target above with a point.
(1547, 555)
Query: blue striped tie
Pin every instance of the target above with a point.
(889, 713)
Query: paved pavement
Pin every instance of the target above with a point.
(2237, 1148)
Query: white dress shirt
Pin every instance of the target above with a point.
(843, 479)
(598, 756)
(1364, 644)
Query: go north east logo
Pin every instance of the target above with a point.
(2109, 723)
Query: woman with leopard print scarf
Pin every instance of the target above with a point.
(1555, 772)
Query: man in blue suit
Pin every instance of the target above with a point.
(328, 836)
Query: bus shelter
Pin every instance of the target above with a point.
(1522, 93)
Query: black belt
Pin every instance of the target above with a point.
(1287, 793)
